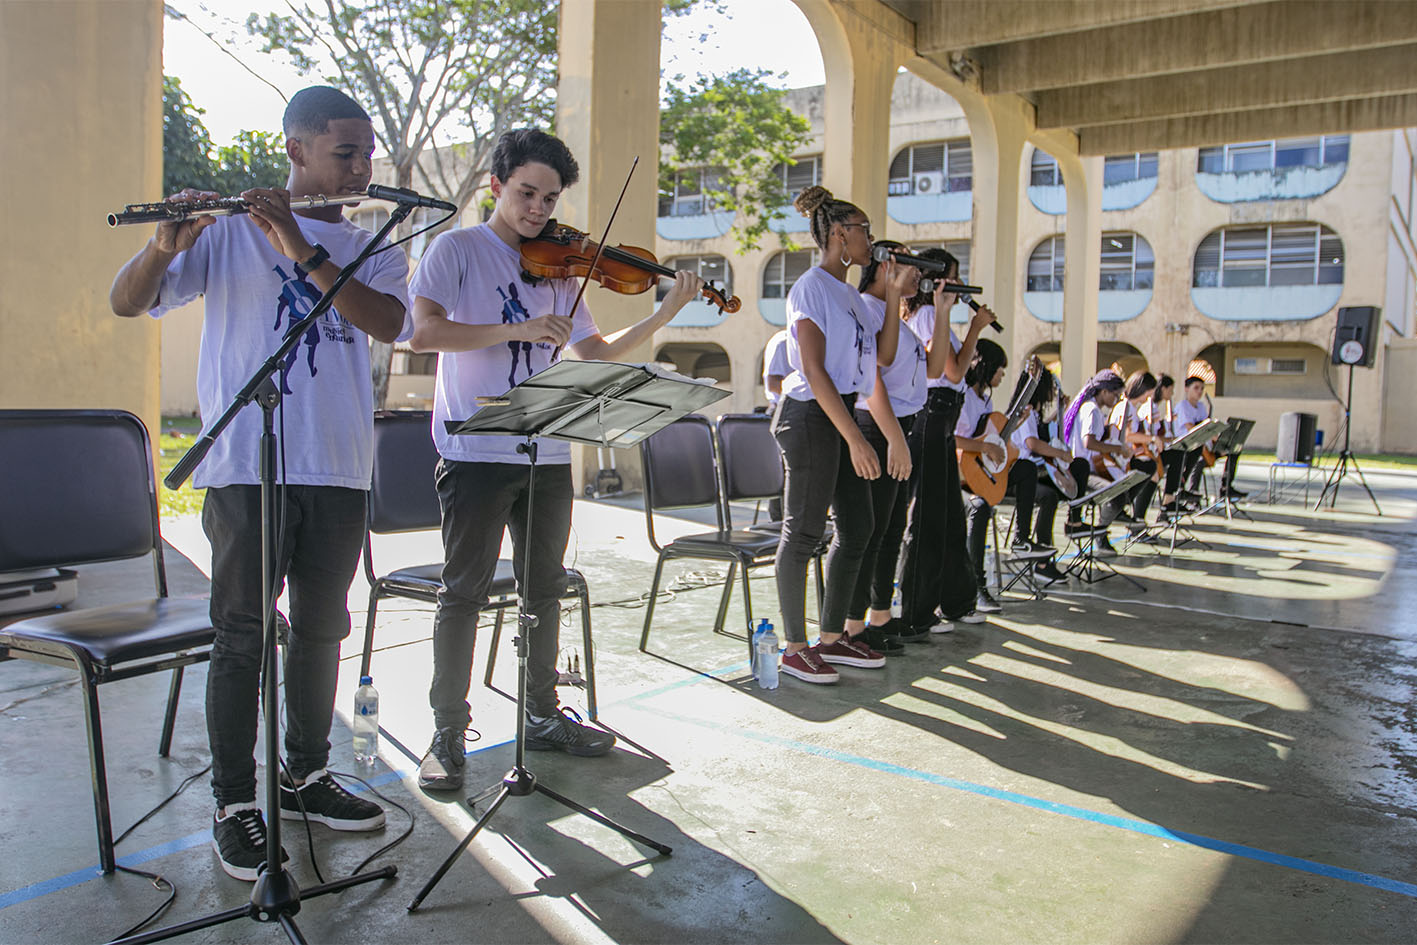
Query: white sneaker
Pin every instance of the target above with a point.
(973, 616)
(944, 626)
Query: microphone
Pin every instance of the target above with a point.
(967, 300)
(882, 253)
(408, 197)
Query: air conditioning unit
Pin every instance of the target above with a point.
(931, 183)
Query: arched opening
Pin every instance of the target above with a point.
(1110, 354)
(697, 359)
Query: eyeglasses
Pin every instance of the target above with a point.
(866, 227)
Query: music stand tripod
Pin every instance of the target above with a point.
(1346, 459)
(1087, 566)
(596, 403)
(276, 897)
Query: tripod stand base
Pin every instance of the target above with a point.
(1340, 470)
(282, 912)
(520, 782)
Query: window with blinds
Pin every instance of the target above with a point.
(687, 198)
(1045, 267)
(709, 267)
(959, 249)
(933, 167)
(1277, 255)
(803, 173)
(1246, 156)
(785, 268)
(1127, 263)
(1043, 170)
(1120, 168)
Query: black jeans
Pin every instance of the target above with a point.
(318, 553)
(1082, 473)
(875, 584)
(819, 476)
(1047, 498)
(1140, 494)
(1023, 483)
(479, 500)
(934, 571)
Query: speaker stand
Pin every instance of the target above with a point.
(1346, 459)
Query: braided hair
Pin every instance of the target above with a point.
(821, 209)
(868, 274)
(1102, 380)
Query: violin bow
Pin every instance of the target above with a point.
(585, 282)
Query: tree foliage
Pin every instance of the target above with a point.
(429, 72)
(254, 159)
(742, 128)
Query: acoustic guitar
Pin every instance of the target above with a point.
(983, 477)
(1109, 465)
(1058, 471)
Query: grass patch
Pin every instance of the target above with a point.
(178, 434)
(1365, 460)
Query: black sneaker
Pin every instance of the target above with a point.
(1234, 494)
(878, 639)
(902, 631)
(441, 767)
(327, 802)
(562, 733)
(1047, 573)
(239, 841)
(985, 603)
(1104, 549)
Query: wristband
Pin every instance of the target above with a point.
(315, 261)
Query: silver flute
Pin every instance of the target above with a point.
(171, 211)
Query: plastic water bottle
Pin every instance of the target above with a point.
(366, 721)
(765, 655)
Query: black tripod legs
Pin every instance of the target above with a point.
(520, 782)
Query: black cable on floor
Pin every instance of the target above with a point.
(408, 831)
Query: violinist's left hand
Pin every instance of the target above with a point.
(687, 287)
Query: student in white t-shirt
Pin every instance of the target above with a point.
(1137, 433)
(936, 583)
(985, 374)
(1085, 433)
(1186, 414)
(775, 367)
(835, 344)
(260, 273)
(1036, 455)
(495, 327)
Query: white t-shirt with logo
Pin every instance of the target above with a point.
(923, 324)
(1186, 415)
(1089, 422)
(904, 377)
(775, 363)
(970, 413)
(253, 295)
(850, 328)
(1026, 430)
(476, 278)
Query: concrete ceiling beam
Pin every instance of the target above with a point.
(1261, 32)
(960, 24)
(1369, 114)
(1311, 80)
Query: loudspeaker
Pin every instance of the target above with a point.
(1356, 323)
(1296, 437)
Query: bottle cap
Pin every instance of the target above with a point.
(366, 680)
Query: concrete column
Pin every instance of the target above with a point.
(862, 57)
(1082, 179)
(607, 112)
(81, 91)
(998, 129)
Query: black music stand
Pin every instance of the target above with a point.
(276, 896)
(1087, 566)
(1194, 439)
(1229, 444)
(598, 403)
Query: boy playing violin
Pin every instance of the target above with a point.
(495, 328)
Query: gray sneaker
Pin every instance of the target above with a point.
(441, 768)
(560, 732)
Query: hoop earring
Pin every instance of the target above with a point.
(846, 260)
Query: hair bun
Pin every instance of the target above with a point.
(810, 199)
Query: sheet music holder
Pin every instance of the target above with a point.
(596, 403)
(1087, 565)
(1232, 440)
(601, 403)
(1198, 435)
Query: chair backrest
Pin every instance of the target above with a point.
(79, 489)
(751, 458)
(402, 495)
(680, 469)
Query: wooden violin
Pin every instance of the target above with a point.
(562, 252)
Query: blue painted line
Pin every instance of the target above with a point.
(1066, 810)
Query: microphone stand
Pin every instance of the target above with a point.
(276, 896)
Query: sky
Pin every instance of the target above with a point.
(750, 35)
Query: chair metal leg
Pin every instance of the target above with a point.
(368, 656)
(723, 600)
(584, 594)
(99, 775)
(649, 604)
(748, 609)
(492, 648)
(169, 719)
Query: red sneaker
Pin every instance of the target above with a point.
(851, 652)
(807, 666)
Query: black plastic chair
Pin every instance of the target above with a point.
(403, 498)
(79, 489)
(681, 471)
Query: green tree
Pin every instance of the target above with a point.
(186, 145)
(253, 159)
(742, 128)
